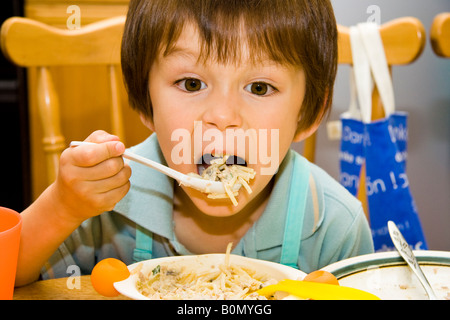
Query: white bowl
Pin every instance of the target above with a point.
(274, 270)
(387, 275)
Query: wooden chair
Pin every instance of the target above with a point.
(404, 40)
(440, 35)
(44, 50)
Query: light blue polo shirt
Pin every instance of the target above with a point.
(333, 224)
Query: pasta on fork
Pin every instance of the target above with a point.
(230, 175)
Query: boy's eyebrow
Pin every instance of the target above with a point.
(180, 51)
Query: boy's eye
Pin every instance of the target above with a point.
(191, 84)
(260, 88)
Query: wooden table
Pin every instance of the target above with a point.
(72, 288)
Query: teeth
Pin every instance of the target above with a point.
(236, 160)
(207, 158)
(217, 155)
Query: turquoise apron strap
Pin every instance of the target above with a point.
(295, 212)
(144, 244)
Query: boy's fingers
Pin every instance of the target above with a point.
(110, 183)
(90, 155)
(100, 136)
(103, 170)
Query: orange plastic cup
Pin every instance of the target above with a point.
(10, 227)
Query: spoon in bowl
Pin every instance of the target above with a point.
(405, 251)
(202, 185)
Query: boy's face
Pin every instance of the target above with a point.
(248, 109)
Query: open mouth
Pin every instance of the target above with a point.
(231, 170)
(207, 158)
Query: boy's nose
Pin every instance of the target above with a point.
(223, 112)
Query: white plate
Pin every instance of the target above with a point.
(277, 271)
(387, 276)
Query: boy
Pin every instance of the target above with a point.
(260, 70)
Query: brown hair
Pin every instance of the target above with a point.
(296, 32)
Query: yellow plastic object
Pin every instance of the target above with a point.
(317, 291)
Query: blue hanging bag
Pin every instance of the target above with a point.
(380, 145)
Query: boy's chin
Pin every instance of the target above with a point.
(217, 207)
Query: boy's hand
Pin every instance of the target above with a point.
(92, 178)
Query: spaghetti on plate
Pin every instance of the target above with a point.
(175, 281)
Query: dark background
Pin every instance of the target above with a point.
(15, 188)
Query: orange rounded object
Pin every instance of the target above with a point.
(105, 273)
(322, 277)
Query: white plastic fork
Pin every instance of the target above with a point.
(202, 185)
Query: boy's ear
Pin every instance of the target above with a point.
(301, 135)
(304, 134)
(147, 122)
